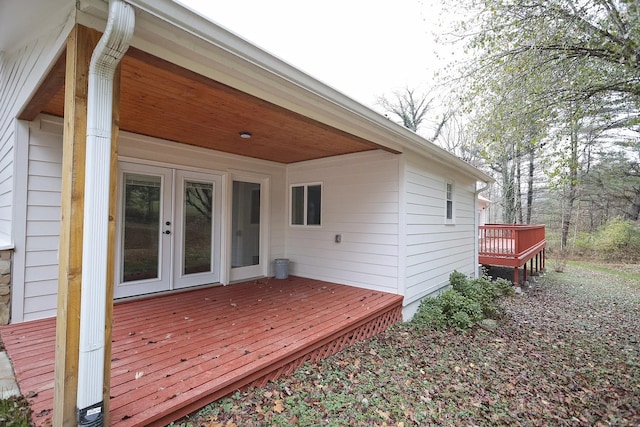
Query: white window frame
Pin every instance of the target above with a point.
(449, 198)
(306, 186)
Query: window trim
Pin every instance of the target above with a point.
(305, 202)
(449, 200)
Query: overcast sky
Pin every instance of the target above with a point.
(363, 48)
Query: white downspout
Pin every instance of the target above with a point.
(476, 250)
(106, 57)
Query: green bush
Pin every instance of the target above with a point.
(430, 314)
(618, 240)
(460, 311)
(458, 280)
(468, 302)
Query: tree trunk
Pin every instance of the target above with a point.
(634, 212)
(518, 194)
(509, 193)
(532, 158)
(573, 183)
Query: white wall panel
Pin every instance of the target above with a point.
(359, 202)
(435, 249)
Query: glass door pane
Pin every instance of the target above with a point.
(245, 227)
(197, 223)
(197, 231)
(144, 224)
(141, 230)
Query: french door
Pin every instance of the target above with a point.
(169, 229)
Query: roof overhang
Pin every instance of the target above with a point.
(189, 80)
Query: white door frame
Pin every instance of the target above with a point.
(173, 176)
(262, 269)
(213, 276)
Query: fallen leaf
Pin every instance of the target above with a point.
(383, 414)
(278, 406)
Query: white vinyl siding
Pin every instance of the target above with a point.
(21, 71)
(360, 202)
(42, 220)
(435, 248)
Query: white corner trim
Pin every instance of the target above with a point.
(19, 220)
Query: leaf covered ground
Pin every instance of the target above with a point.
(567, 352)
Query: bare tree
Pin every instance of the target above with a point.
(411, 107)
(456, 137)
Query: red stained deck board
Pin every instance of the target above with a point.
(241, 353)
(196, 346)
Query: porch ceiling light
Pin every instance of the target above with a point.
(245, 135)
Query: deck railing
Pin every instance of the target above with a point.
(510, 240)
(512, 246)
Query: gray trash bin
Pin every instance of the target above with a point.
(281, 267)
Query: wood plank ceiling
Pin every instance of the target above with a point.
(163, 100)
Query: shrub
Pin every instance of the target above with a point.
(468, 302)
(460, 311)
(457, 280)
(618, 240)
(430, 314)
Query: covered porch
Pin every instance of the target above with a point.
(174, 353)
(514, 246)
(196, 88)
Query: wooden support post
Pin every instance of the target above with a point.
(80, 45)
(113, 197)
(515, 276)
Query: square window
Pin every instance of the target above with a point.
(306, 204)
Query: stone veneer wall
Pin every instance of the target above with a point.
(5, 286)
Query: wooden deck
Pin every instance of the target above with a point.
(175, 353)
(512, 246)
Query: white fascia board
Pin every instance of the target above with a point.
(179, 35)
